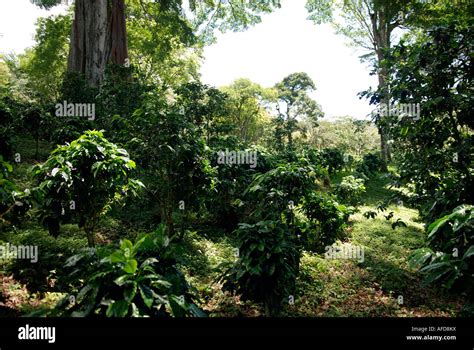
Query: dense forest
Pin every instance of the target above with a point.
(129, 188)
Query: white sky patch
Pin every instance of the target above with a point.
(17, 24)
(284, 43)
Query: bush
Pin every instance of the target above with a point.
(313, 156)
(7, 131)
(371, 164)
(270, 247)
(450, 258)
(7, 189)
(267, 266)
(225, 197)
(136, 280)
(81, 180)
(48, 273)
(168, 141)
(328, 220)
(350, 190)
(332, 159)
(275, 189)
(13, 202)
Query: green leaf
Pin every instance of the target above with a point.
(8, 166)
(120, 281)
(127, 247)
(177, 307)
(116, 257)
(83, 292)
(130, 266)
(130, 291)
(118, 308)
(434, 266)
(162, 283)
(73, 260)
(149, 261)
(139, 243)
(135, 311)
(147, 295)
(196, 312)
(469, 252)
(420, 257)
(436, 271)
(434, 227)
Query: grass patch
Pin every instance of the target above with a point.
(372, 287)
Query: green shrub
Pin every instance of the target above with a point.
(13, 202)
(48, 273)
(7, 131)
(267, 266)
(229, 181)
(270, 246)
(275, 189)
(168, 141)
(328, 220)
(332, 159)
(371, 163)
(350, 190)
(80, 181)
(7, 187)
(135, 280)
(450, 258)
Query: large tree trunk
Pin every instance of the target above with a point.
(384, 147)
(98, 37)
(382, 31)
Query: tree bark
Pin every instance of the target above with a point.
(381, 32)
(98, 37)
(90, 236)
(384, 147)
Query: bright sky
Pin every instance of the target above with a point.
(17, 23)
(285, 42)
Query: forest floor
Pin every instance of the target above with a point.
(380, 285)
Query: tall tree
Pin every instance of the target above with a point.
(369, 24)
(294, 103)
(98, 37)
(247, 112)
(433, 67)
(99, 34)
